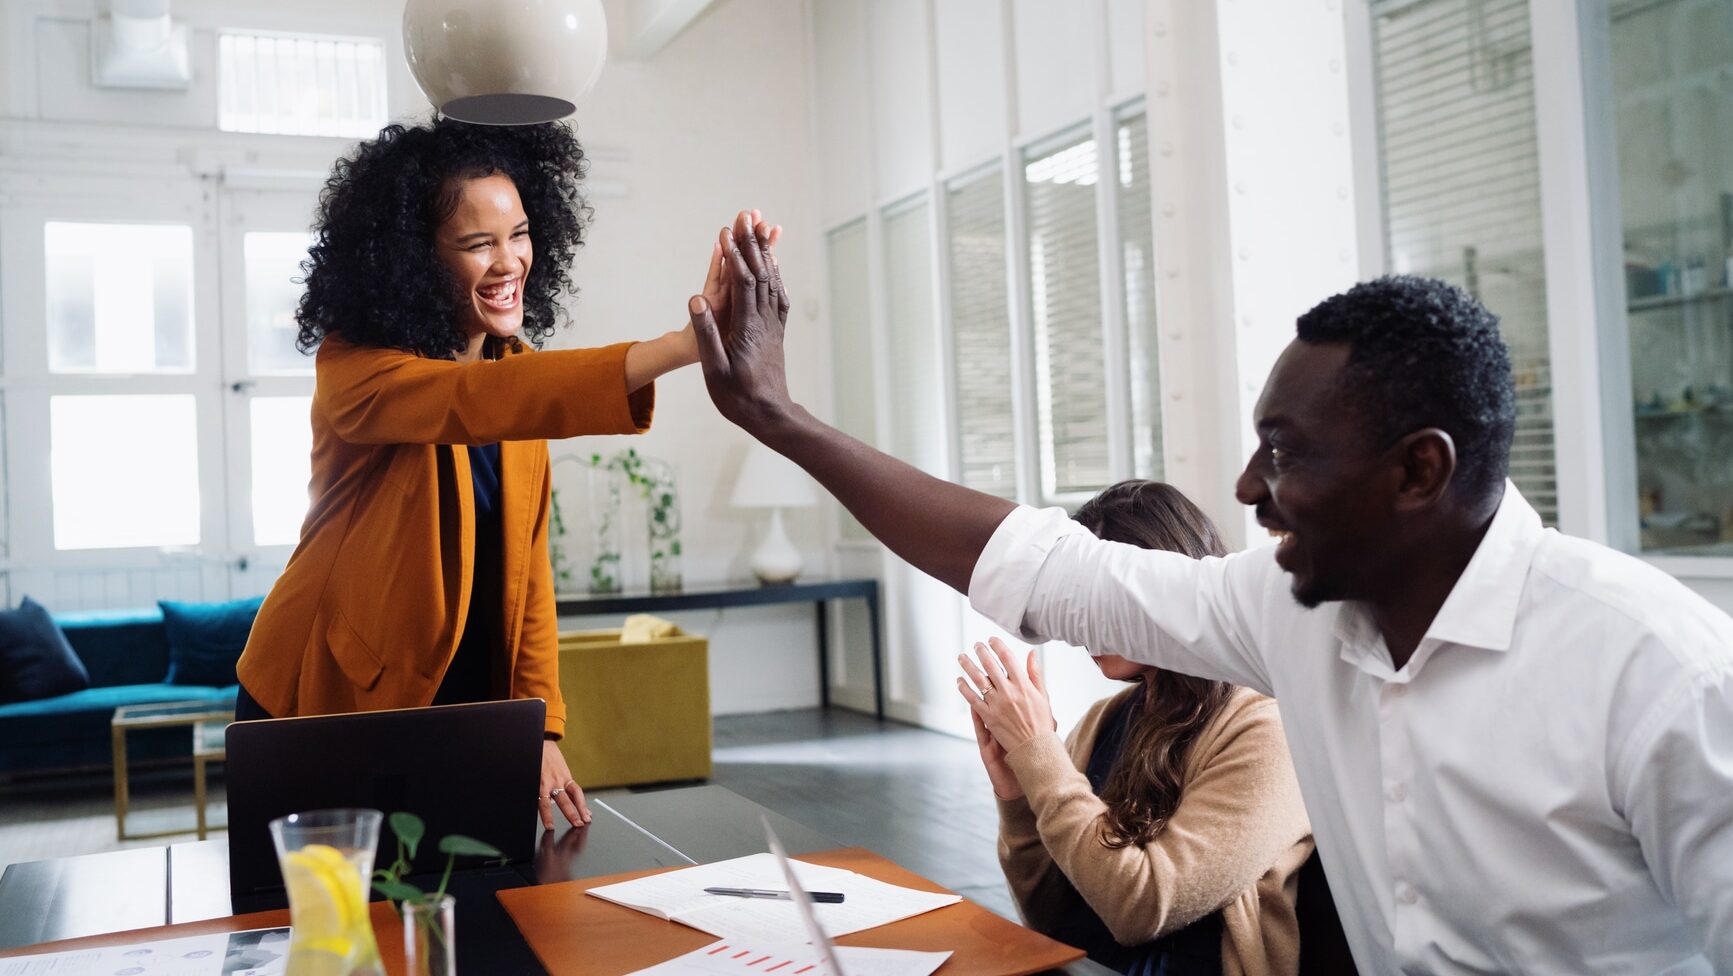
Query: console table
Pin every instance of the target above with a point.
(713, 596)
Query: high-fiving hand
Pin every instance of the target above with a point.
(716, 283)
(740, 345)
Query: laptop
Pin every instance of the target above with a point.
(463, 769)
(821, 943)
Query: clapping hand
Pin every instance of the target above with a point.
(740, 345)
(1009, 701)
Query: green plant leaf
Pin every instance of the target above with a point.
(409, 829)
(458, 844)
(397, 890)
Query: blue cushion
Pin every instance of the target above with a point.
(72, 731)
(205, 639)
(104, 701)
(35, 660)
(118, 647)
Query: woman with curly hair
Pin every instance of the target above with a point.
(1164, 836)
(422, 574)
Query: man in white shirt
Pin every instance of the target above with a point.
(1516, 747)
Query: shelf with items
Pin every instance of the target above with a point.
(1650, 413)
(1652, 303)
(1692, 401)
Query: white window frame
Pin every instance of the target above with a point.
(30, 384)
(245, 210)
(224, 562)
(1594, 442)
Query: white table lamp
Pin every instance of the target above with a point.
(505, 62)
(769, 480)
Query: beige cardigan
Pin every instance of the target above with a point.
(1235, 842)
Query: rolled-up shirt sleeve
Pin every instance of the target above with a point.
(1046, 577)
(1675, 783)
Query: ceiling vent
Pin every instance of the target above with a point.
(138, 46)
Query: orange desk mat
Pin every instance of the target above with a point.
(387, 931)
(574, 934)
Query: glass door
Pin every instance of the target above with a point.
(1672, 109)
(112, 417)
(267, 381)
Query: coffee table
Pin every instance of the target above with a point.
(206, 718)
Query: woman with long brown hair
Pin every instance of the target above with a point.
(1164, 835)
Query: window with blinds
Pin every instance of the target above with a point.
(287, 84)
(981, 334)
(917, 430)
(852, 343)
(1456, 109)
(1137, 266)
(1065, 313)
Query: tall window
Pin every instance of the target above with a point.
(1455, 82)
(911, 329)
(1065, 309)
(1672, 73)
(981, 334)
(852, 344)
(119, 303)
(1137, 271)
(290, 84)
(157, 414)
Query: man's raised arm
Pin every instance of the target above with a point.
(938, 527)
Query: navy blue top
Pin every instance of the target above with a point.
(1195, 950)
(471, 676)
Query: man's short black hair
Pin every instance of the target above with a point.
(1424, 353)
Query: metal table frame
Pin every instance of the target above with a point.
(194, 718)
(722, 596)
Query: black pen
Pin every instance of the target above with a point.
(826, 897)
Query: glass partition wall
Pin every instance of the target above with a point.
(1671, 68)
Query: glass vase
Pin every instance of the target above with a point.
(430, 935)
(327, 858)
(662, 503)
(604, 498)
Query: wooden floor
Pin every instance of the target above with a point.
(917, 797)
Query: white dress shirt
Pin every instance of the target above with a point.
(1546, 787)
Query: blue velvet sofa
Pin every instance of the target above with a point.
(127, 655)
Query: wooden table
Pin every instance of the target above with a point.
(575, 935)
(99, 895)
(818, 591)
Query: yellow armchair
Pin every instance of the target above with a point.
(635, 713)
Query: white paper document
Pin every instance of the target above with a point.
(679, 896)
(259, 952)
(732, 957)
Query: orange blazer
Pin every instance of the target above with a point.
(370, 608)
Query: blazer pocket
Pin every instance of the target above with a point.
(360, 665)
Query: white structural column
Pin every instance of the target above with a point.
(1255, 215)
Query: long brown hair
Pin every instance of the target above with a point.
(1143, 787)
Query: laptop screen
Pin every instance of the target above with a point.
(463, 769)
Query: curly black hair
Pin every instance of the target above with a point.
(1424, 353)
(372, 274)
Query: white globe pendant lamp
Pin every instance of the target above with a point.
(505, 62)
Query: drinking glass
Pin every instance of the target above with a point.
(327, 860)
